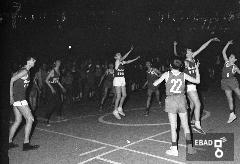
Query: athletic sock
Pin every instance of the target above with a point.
(174, 143)
(197, 124)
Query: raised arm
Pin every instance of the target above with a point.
(163, 77)
(191, 79)
(225, 50)
(126, 55)
(204, 46)
(175, 48)
(130, 61)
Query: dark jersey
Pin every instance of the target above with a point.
(190, 69)
(151, 77)
(120, 71)
(175, 84)
(55, 78)
(20, 86)
(109, 75)
(228, 70)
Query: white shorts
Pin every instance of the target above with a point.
(20, 103)
(119, 82)
(191, 87)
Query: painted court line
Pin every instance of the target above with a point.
(80, 138)
(68, 119)
(135, 151)
(116, 147)
(107, 160)
(88, 152)
(150, 139)
(98, 156)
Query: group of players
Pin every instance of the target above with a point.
(114, 77)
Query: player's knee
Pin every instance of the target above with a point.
(18, 120)
(124, 95)
(29, 119)
(118, 96)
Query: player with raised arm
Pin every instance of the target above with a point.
(18, 85)
(192, 93)
(152, 75)
(176, 103)
(119, 82)
(229, 82)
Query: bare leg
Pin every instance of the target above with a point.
(15, 125)
(195, 99)
(184, 121)
(124, 95)
(26, 112)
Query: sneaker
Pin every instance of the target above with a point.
(28, 146)
(192, 123)
(47, 123)
(12, 145)
(116, 114)
(120, 111)
(172, 151)
(232, 117)
(191, 150)
(198, 130)
(146, 113)
(160, 103)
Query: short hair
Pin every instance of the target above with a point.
(176, 63)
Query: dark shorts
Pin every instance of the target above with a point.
(176, 104)
(108, 84)
(152, 90)
(19, 96)
(229, 84)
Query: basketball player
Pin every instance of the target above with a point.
(108, 84)
(175, 102)
(119, 82)
(18, 85)
(192, 93)
(54, 92)
(229, 82)
(152, 75)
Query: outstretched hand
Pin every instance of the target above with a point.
(230, 42)
(197, 64)
(215, 39)
(138, 57)
(132, 47)
(175, 42)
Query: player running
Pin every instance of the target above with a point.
(108, 84)
(119, 82)
(195, 105)
(176, 103)
(229, 82)
(152, 75)
(18, 85)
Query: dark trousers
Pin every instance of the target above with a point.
(54, 102)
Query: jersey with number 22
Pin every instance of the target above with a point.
(175, 84)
